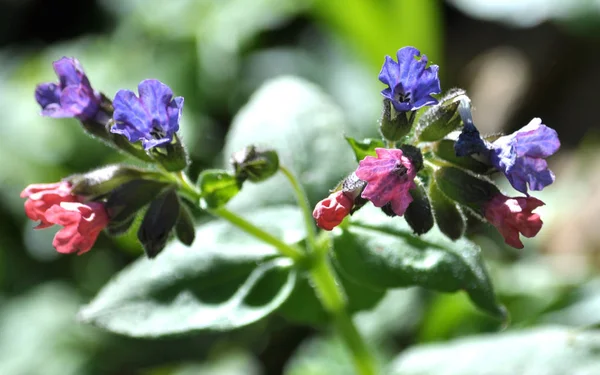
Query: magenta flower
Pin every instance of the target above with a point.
(512, 216)
(389, 178)
(410, 81)
(520, 156)
(72, 96)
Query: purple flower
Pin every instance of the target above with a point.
(152, 118)
(520, 156)
(410, 82)
(389, 178)
(72, 96)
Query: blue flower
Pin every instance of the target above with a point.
(72, 96)
(410, 82)
(153, 118)
(520, 156)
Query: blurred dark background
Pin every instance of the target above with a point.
(516, 59)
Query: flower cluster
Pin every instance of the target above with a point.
(143, 126)
(458, 160)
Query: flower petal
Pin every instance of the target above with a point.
(47, 93)
(131, 118)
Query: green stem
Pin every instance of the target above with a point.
(330, 292)
(302, 200)
(192, 193)
(332, 296)
(246, 226)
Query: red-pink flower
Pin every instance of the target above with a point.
(55, 204)
(330, 212)
(82, 223)
(42, 197)
(512, 216)
(389, 178)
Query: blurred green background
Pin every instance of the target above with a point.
(516, 59)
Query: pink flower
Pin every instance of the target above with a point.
(512, 216)
(55, 204)
(42, 197)
(82, 225)
(330, 212)
(389, 178)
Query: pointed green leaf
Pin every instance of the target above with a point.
(228, 279)
(217, 187)
(363, 148)
(381, 252)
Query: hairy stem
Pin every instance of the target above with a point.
(330, 292)
(302, 200)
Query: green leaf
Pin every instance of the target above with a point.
(227, 280)
(380, 252)
(549, 350)
(363, 148)
(217, 187)
(305, 126)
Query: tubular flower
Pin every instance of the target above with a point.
(520, 156)
(43, 196)
(72, 96)
(330, 212)
(410, 82)
(512, 216)
(153, 118)
(56, 204)
(389, 178)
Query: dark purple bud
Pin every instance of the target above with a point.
(159, 221)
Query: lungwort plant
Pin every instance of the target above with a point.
(397, 220)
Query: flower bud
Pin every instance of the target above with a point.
(447, 214)
(465, 188)
(418, 214)
(172, 156)
(184, 229)
(254, 164)
(331, 211)
(442, 118)
(414, 155)
(158, 222)
(103, 180)
(395, 125)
